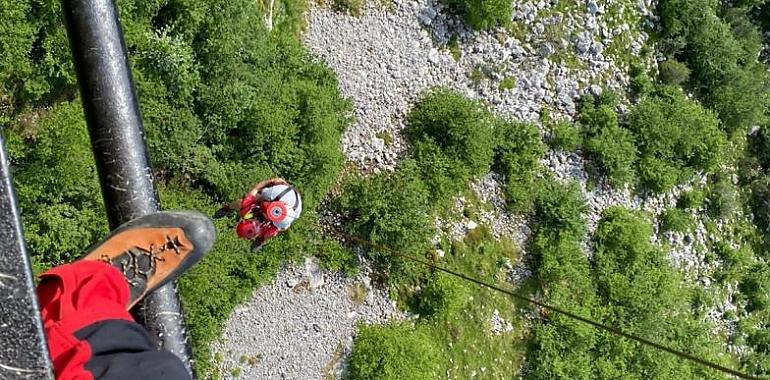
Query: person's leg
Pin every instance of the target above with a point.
(85, 304)
(90, 333)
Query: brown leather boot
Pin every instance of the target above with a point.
(155, 249)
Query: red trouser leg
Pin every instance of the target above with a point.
(90, 333)
(75, 296)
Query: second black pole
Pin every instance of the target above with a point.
(118, 141)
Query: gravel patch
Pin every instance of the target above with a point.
(389, 56)
(292, 330)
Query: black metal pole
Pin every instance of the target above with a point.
(117, 137)
(23, 348)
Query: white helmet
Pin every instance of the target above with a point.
(290, 198)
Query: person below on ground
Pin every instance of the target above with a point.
(267, 210)
(85, 304)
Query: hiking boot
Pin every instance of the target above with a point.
(154, 249)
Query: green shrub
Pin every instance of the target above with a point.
(517, 157)
(443, 295)
(57, 187)
(459, 127)
(676, 220)
(635, 287)
(712, 50)
(760, 341)
(759, 145)
(722, 198)
(17, 37)
(756, 286)
(722, 54)
(562, 347)
(336, 258)
(444, 175)
(207, 303)
(389, 208)
(565, 136)
(691, 200)
(267, 106)
(482, 14)
(560, 208)
(675, 136)
(631, 272)
(452, 321)
(642, 292)
(561, 263)
(596, 114)
(393, 352)
(760, 204)
(734, 261)
(508, 83)
(614, 152)
(451, 137)
(742, 99)
(353, 7)
(745, 32)
(673, 72)
(641, 84)
(610, 146)
(658, 175)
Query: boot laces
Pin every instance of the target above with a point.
(134, 263)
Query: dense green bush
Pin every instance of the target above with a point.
(614, 151)
(760, 204)
(565, 136)
(460, 127)
(560, 208)
(55, 177)
(702, 38)
(394, 352)
(596, 114)
(630, 285)
(676, 220)
(742, 99)
(691, 200)
(482, 14)
(610, 146)
(641, 83)
(268, 106)
(722, 197)
(760, 341)
(675, 137)
(517, 157)
(443, 295)
(631, 272)
(657, 174)
(352, 7)
(391, 208)
(444, 175)
(722, 53)
(745, 32)
(17, 39)
(451, 137)
(562, 347)
(734, 261)
(673, 72)
(759, 146)
(454, 139)
(756, 286)
(641, 292)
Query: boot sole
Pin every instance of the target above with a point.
(198, 229)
